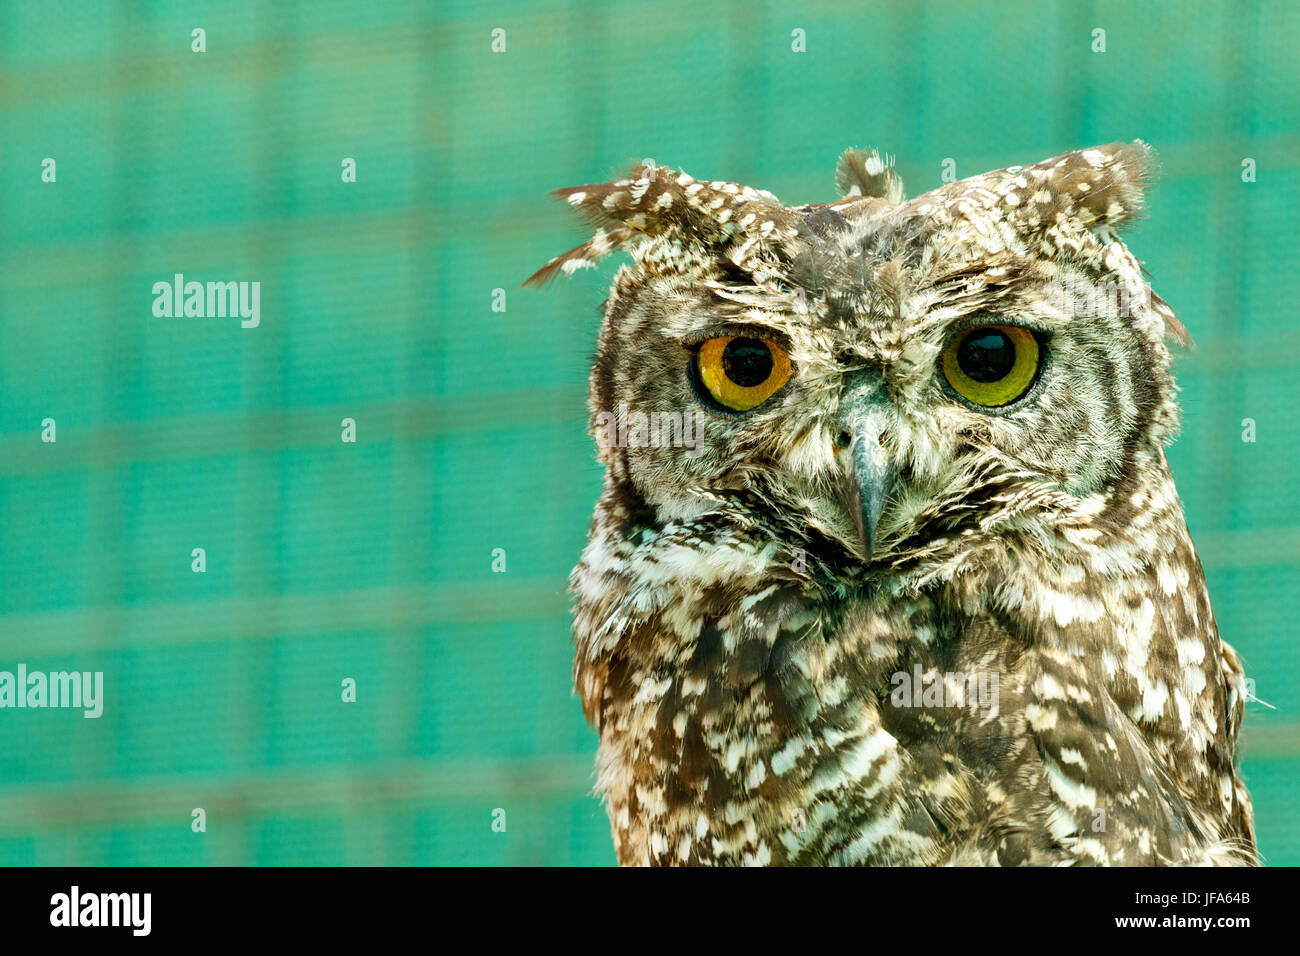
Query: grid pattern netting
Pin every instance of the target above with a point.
(372, 560)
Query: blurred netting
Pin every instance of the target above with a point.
(372, 560)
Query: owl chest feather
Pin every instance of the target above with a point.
(772, 739)
(760, 726)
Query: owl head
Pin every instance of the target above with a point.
(874, 376)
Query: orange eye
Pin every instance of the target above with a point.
(740, 372)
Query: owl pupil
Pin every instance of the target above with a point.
(747, 362)
(987, 355)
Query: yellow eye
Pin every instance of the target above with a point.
(740, 372)
(992, 365)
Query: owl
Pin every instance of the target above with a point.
(889, 567)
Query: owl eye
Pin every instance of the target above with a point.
(992, 365)
(740, 372)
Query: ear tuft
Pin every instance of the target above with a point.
(1101, 187)
(656, 201)
(584, 256)
(862, 173)
(1116, 178)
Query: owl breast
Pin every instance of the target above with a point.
(789, 738)
(749, 718)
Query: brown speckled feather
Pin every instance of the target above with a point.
(1019, 664)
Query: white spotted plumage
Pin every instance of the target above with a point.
(737, 636)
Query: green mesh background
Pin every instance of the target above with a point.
(373, 560)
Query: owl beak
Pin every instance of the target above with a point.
(873, 474)
(868, 470)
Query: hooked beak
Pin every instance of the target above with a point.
(866, 469)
